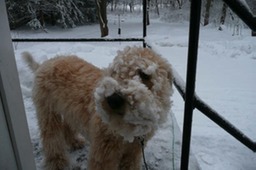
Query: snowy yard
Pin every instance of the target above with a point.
(226, 80)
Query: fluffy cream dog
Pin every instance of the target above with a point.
(114, 108)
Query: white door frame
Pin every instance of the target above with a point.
(15, 145)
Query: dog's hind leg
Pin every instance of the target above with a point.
(73, 139)
(53, 140)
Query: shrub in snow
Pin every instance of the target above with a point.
(66, 13)
(35, 24)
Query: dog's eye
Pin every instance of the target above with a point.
(143, 76)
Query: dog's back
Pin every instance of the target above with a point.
(63, 81)
(63, 87)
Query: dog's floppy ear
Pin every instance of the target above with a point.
(168, 71)
(170, 75)
(145, 78)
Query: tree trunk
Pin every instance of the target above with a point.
(157, 8)
(207, 12)
(147, 13)
(131, 5)
(223, 15)
(112, 5)
(102, 14)
(180, 3)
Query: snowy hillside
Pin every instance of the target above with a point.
(225, 80)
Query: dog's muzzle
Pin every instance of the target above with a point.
(115, 101)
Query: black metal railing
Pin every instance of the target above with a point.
(142, 39)
(78, 39)
(188, 92)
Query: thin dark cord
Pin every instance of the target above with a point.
(173, 141)
(143, 153)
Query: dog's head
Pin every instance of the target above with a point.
(133, 97)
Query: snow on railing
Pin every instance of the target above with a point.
(76, 39)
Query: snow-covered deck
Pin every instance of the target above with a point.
(225, 80)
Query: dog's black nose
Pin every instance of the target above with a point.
(115, 101)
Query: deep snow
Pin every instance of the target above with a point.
(225, 80)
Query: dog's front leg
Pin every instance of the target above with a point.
(105, 154)
(131, 159)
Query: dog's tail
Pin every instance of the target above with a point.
(28, 58)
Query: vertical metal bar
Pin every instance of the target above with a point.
(195, 12)
(144, 21)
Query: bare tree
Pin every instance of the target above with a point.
(180, 3)
(131, 5)
(102, 14)
(157, 8)
(207, 12)
(223, 15)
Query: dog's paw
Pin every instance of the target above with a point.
(57, 163)
(77, 143)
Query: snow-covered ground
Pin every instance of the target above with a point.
(226, 80)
